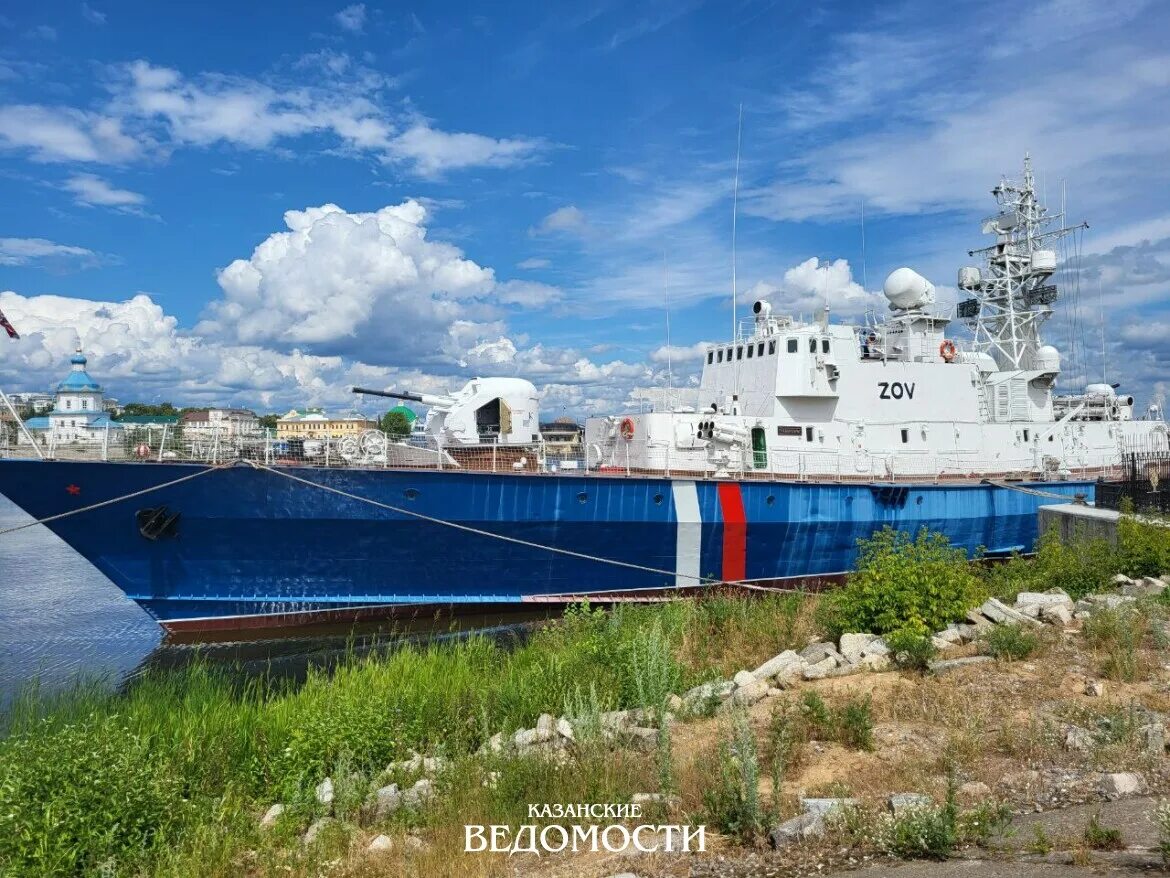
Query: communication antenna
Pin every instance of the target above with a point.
(1101, 307)
(864, 274)
(666, 292)
(734, 212)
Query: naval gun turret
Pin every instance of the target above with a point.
(486, 411)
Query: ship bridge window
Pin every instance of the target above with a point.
(760, 349)
(710, 357)
(812, 345)
(824, 345)
(808, 434)
(771, 347)
(739, 352)
(792, 346)
(721, 356)
(905, 436)
(751, 349)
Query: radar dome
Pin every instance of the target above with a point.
(906, 288)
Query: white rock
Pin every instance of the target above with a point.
(717, 689)
(315, 829)
(949, 635)
(826, 806)
(414, 843)
(750, 694)
(744, 678)
(807, 825)
(381, 844)
(1032, 611)
(998, 611)
(820, 669)
(941, 645)
(643, 740)
(1056, 615)
(1051, 598)
(1076, 738)
(433, 764)
(975, 791)
(674, 703)
(387, 800)
(1121, 579)
(565, 729)
(324, 791)
(271, 816)
(853, 646)
(655, 799)
(1095, 688)
(546, 724)
(785, 666)
(1121, 784)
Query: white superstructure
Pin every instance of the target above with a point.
(897, 398)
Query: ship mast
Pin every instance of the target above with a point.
(1013, 297)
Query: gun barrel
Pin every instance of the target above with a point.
(422, 398)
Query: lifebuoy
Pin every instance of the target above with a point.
(627, 428)
(947, 350)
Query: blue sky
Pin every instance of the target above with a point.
(262, 204)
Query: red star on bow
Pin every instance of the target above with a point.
(73, 489)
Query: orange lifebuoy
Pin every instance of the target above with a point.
(627, 428)
(947, 350)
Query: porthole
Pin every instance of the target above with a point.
(919, 500)
(770, 500)
(658, 498)
(582, 497)
(410, 494)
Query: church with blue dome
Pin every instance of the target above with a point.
(79, 414)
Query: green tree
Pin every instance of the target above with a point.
(395, 424)
(268, 422)
(147, 408)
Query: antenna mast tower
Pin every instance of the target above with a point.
(1013, 297)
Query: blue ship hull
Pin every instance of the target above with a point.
(251, 547)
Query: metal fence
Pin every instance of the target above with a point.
(1143, 480)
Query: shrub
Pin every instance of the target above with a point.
(1012, 642)
(82, 796)
(912, 650)
(855, 724)
(732, 802)
(1080, 567)
(1102, 838)
(914, 584)
(1162, 821)
(1143, 547)
(1117, 634)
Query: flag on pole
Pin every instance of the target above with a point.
(8, 327)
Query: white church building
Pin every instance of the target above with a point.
(78, 414)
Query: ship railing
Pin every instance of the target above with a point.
(373, 449)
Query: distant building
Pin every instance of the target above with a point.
(224, 423)
(35, 403)
(562, 437)
(78, 414)
(315, 424)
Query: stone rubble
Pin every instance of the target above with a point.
(271, 816)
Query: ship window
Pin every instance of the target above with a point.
(824, 345)
(1026, 439)
(792, 346)
(739, 352)
(808, 434)
(760, 349)
(771, 347)
(751, 350)
(812, 345)
(905, 436)
(721, 356)
(710, 357)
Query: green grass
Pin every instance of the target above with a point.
(93, 781)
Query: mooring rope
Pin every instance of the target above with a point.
(1035, 492)
(706, 581)
(111, 502)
